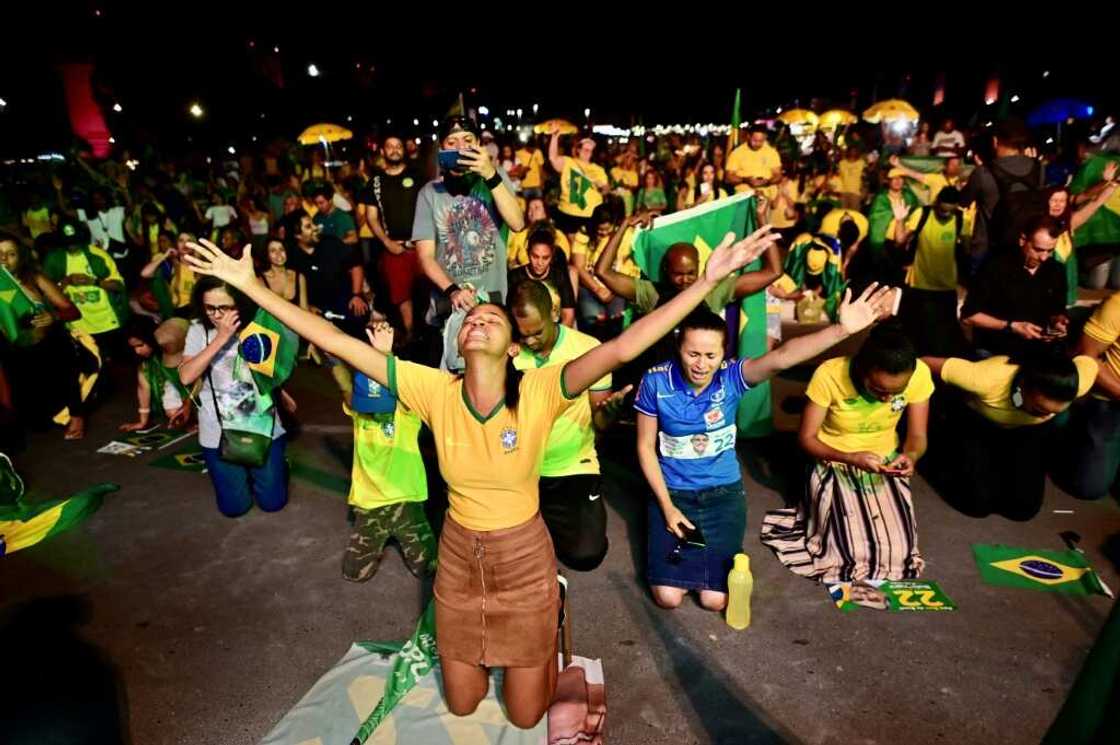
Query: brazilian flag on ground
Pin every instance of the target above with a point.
(270, 348)
(24, 524)
(1051, 571)
(704, 227)
(1104, 226)
(412, 662)
(14, 305)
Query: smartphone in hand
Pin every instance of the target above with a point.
(449, 160)
(693, 536)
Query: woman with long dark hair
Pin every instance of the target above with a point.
(496, 593)
(42, 360)
(229, 402)
(1060, 205)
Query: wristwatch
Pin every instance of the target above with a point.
(1007, 326)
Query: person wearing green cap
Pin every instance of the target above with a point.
(88, 276)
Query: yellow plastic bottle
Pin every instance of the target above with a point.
(740, 583)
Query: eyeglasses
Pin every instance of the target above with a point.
(215, 309)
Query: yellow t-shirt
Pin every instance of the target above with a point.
(623, 259)
(747, 163)
(183, 280)
(854, 423)
(578, 195)
(851, 175)
(571, 445)
(935, 261)
(990, 380)
(533, 161)
(830, 224)
(791, 190)
(491, 462)
(624, 177)
(388, 468)
(98, 315)
(1104, 326)
(517, 247)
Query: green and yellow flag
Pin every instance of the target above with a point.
(1104, 226)
(23, 525)
(1051, 571)
(270, 348)
(414, 660)
(14, 305)
(704, 227)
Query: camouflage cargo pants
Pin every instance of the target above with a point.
(404, 521)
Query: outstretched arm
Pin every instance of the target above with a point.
(875, 302)
(756, 281)
(208, 259)
(617, 282)
(582, 372)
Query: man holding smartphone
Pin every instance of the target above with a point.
(457, 227)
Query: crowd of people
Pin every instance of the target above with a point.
(489, 291)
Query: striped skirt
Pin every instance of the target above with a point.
(852, 525)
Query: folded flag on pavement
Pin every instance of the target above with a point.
(24, 524)
(1051, 571)
(270, 348)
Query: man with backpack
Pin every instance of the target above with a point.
(932, 238)
(1007, 192)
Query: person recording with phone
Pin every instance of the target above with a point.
(686, 446)
(457, 229)
(856, 520)
(1018, 299)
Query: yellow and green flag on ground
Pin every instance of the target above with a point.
(704, 227)
(14, 305)
(1104, 226)
(270, 349)
(24, 524)
(1051, 571)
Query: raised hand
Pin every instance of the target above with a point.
(730, 254)
(857, 315)
(381, 337)
(206, 258)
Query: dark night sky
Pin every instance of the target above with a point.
(155, 65)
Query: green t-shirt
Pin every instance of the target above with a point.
(646, 295)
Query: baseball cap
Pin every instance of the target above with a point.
(370, 397)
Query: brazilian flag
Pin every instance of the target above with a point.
(1050, 571)
(24, 524)
(269, 347)
(14, 305)
(704, 227)
(1103, 228)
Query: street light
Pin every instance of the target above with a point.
(196, 110)
(312, 70)
(117, 108)
(231, 150)
(483, 111)
(587, 113)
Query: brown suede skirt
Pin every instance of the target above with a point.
(497, 598)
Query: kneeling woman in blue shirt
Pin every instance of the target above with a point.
(686, 446)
